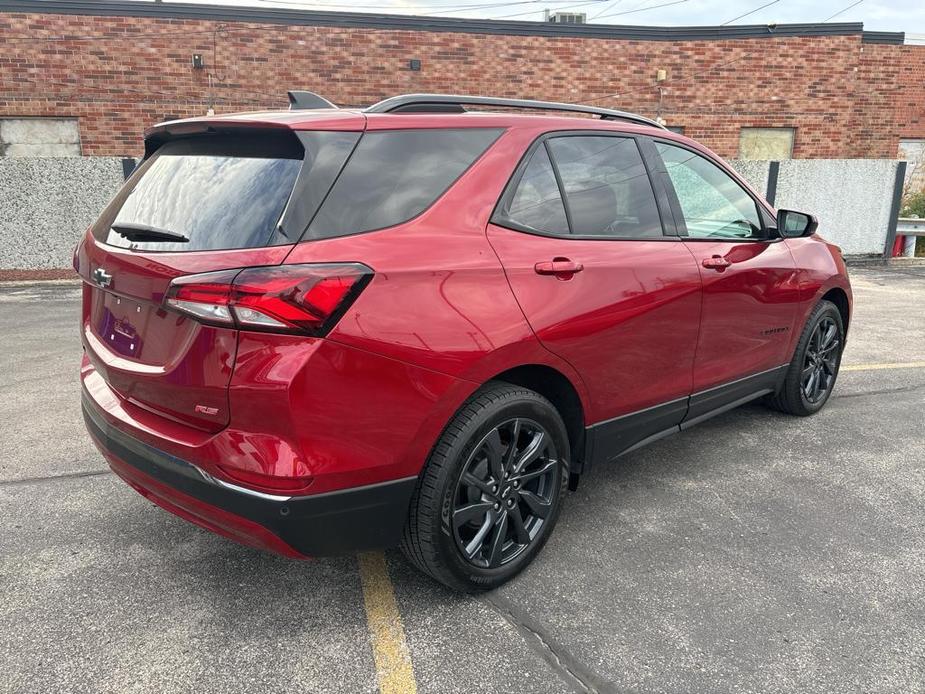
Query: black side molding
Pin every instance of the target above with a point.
(613, 438)
(709, 403)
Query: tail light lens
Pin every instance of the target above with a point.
(302, 299)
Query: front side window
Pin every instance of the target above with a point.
(607, 188)
(713, 203)
(394, 175)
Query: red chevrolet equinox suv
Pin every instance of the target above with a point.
(325, 330)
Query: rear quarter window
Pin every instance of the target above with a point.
(395, 175)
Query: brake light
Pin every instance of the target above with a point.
(305, 299)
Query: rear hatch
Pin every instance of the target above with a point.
(203, 202)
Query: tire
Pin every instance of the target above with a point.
(824, 358)
(455, 519)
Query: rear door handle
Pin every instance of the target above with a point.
(717, 262)
(562, 268)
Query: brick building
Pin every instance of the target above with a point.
(87, 77)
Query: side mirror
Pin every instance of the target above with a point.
(793, 225)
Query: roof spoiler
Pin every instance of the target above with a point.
(300, 100)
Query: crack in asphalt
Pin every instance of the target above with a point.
(576, 674)
(52, 478)
(885, 391)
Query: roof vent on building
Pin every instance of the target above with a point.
(305, 100)
(566, 17)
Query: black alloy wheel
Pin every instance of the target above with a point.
(491, 491)
(812, 371)
(505, 493)
(820, 362)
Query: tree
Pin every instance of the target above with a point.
(913, 205)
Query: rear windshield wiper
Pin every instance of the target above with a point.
(143, 232)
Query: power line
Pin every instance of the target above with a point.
(644, 9)
(558, 9)
(843, 10)
(429, 9)
(222, 28)
(717, 66)
(615, 3)
(499, 5)
(735, 19)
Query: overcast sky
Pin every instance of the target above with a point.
(886, 15)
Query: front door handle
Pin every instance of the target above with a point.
(717, 262)
(562, 268)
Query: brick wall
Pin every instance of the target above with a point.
(910, 97)
(845, 98)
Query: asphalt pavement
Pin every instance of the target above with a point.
(754, 553)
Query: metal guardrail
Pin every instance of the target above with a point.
(910, 226)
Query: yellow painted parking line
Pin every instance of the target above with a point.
(390, 649)
(882, 367)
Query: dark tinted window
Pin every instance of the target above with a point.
(537, 203)
(606, 186)
(219, 193)
(395, 175)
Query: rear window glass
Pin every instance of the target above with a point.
(395, 175)
(216, 193)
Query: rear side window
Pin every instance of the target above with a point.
(395, 175)
(606, 186)
(537, 204)
(217, 193)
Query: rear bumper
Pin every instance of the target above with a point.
(368, 517)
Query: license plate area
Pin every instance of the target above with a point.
(119, 324)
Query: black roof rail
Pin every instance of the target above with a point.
(305, 100)
(452, 103)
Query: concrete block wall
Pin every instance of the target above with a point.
(755, 172)
(46, 203)
(852, 198)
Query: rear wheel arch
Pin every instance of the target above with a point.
(556, 387)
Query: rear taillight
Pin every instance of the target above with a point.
(305, 299)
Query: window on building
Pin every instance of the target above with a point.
(39, 137)
(769, 144)
(679, 129)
